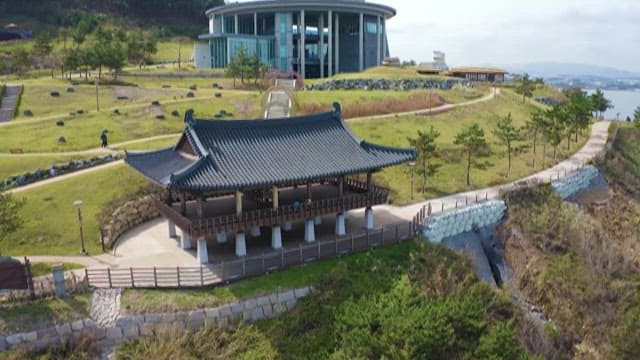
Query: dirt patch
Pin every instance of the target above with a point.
(136, 94)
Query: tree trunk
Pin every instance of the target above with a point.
(555, 150)
(569, 142)
(535, 137)
(469, 168)
(424, 173)
(544, 152)
(509, 156)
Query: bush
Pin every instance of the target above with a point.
(60, 123)
(218, 95)
(160, 117)
(190, 94)
(193, 87)
(155, 103)
(27, 113)
(54, 94)
(70, 90)
(175, 113)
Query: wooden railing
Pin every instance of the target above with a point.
(224, 272)
(171, 214)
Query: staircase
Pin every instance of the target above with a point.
(9, 102)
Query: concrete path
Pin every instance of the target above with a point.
(9, 102)
(279, 102)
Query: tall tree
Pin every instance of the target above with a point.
(533, 127)
(20, 60)
(525, 87)
(636, 114)
(555, 128)
(579, 113)
(472, 138)
(600, 103)
(42, 45)
(10, 219)
(425, 145)
(507, 133)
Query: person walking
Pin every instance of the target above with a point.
(103, 137)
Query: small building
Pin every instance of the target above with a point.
(486, 74)
(314, 38)
(239, 178)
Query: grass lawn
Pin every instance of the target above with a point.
(451, 176)
(16, 165)
(150, 145)
(83, 131)
(44, 268)
(48, 312)
(383, 72)
(50, 219)
(141, 301)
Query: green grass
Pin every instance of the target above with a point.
(451, 176)
(384, 72)
(150, 145)
(44, 313)
(17, 165)
(50, 219)
(141, 301)
(44, 268)
(82, 132)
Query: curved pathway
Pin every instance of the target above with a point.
(8, 102)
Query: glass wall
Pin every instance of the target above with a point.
(283, 50)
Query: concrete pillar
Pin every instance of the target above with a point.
(276, 197)
(288, 225)
(361, 42)
(368, 218)
(255, 231)
(309, 231)
(236, 25)
(172, 230)
(221, 237)
(321, 51)
(58, 280)
(317, 220)
(330, 40)
(276, 238)
(337, 50)
(341, 228)
(384, 38)
(185, 241)
(378, 38)
(241, 244)
(255, 24)
(238, 202)
(203, 254)
(303, 65)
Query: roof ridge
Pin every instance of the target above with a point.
(181, 174)
(207, 123)
(147, 152)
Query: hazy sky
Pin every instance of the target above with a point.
(517, 31)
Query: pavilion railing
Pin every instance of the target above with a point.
(168, 212)
(269, 217)
(227, 271)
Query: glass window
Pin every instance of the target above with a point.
(371, 27)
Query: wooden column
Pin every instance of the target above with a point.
(183, 204)
(309, 192)
(341, 186)
(275, 196)
(238, 202)
(369, 182)
(200, 206)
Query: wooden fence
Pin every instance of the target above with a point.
(224, 272)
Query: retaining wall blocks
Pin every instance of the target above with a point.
(440, 226)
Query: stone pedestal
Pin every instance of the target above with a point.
(221, 237)
(255, 231)
(185, 241)
(309, 231)
(241, 245)
(318, 220)
(368, 219)
(203, 254)
(172, 230)
(288, 225)
(58, 280)
(341, 228)
(276, 238)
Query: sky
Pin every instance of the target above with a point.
(503, 32)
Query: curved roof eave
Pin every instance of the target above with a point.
(273, 5)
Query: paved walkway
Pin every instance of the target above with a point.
(279, 102)
(8, 102)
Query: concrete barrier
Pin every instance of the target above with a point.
(455, 222)
(575, 182)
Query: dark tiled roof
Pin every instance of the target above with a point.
(258, 153)
(159, 165)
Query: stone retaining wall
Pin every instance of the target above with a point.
(440, 226)
(131, 327)
(127, 216)
(575, 182)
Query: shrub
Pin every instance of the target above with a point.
(54, 94)
(175, 113)
(155, 103)
(193, 87)
(70, 90)
(218, 95)
(160, 117)
(190, 94)
(27, 113)
(60, 123)
(378, 107)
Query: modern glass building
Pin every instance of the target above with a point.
(312, 37)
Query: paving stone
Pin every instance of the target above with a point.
(257, 314)
(64, 329)
(14, 339)
(114, 333)
(77, 325)
(131, 332)
(250, 304)
(302, 292)
(267, 310)
(263, 300)
(286, 296)
(152, 318)
(30, 336)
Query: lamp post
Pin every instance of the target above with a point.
(412, 165)
(78, 204)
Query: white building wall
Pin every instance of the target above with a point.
(202, 55)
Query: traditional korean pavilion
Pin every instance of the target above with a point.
(238, 177)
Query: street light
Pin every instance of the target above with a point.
(412, 165)
(78, 204)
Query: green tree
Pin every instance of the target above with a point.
(20, 60)
(636, 114)
(533, 127)
(554, 129)
(239, 65)
(507, 133)
(42, 46)
(525, 87)
(579, 113)
(472, 138)
(425, 145)
(500, 342)
(600, 103)
(10, 219)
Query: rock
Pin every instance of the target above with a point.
(175, 113)
(54, 94)
(14, 339)
(60, 123)
(70, 90)
(155, 103)
(190, 94)
(80, 111)
(114, 333)
(62, 140)
(160, 117)
(27, 113)
(30, 336)
(64, 329)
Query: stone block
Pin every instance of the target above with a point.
(286, 296)
(131, 332)
(212, 312)
(273, 298)
(250, 304)
(123, 321)
(42, 344)
(262, 301)
(196, 315)
(195, 324)
(147, 329)
(291, 304)
(77, 325)
(279, 308)
(100, 333)
(237, 308)
(14, 339)
(182, 316)
(152, 318)
(138, 319)
(246, 315)
(30, 336)
(64, 329)
(47, 333)
(301, 292)
(267, 310)
(114, 333)
(89, 324)
(225, 311)
(211, 320)
(168, 318)
(257, 314)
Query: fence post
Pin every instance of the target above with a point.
(201, 276)
(178, 275)
(109, 277)
(155, 277)
(133, 284)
